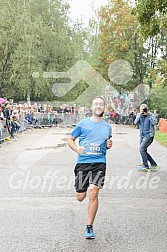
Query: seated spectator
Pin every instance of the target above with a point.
(15, 126)
(30, 117)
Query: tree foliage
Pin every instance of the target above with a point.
(139, 39)
(152, 16)
(36, 36)
(119, 39)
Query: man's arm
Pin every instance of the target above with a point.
(109, 143)
(152, 119)
(73, 146)
(109, 140)
(137, 120)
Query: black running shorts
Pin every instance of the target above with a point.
(89, 173)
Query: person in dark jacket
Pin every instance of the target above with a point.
(147, 123)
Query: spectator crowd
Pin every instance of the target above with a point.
(16, 117)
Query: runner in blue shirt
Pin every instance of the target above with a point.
(94, 135)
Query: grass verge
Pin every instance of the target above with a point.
(161, 138)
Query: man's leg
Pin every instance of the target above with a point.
(93, 203)
(151, 160)
(145, 142)
(13, 129)
(80, 196)
(17, 126)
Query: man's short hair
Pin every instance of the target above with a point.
(144, 105)
(99, 97)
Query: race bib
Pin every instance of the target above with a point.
(93, 149)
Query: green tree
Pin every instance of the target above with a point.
(119, 40)
(152, 16)
(35, 37)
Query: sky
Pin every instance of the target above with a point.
(83, 9)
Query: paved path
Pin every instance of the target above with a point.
(38, 211)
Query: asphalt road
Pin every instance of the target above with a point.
(38, 210)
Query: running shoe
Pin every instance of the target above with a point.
(144, 168)
(154, 167)
(89, 232)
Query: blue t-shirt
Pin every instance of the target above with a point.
(93, 136)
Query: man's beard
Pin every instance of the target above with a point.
(101, 115)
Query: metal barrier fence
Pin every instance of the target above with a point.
(58, 119)
(40, 120)
(4, 132)
(5, 128)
